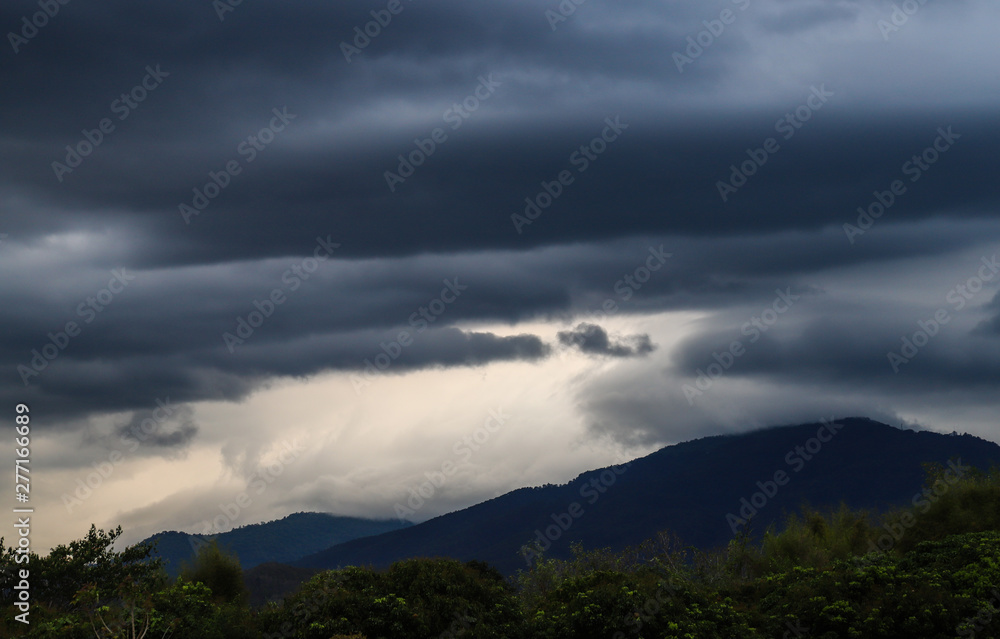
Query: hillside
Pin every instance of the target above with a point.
(688, 488)
(275, 541)
(925, 570)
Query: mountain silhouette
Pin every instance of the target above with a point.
(282, 540)
(703, 490)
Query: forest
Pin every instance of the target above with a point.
(928, 570)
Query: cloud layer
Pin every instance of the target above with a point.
(692, 217)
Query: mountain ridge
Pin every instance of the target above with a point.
(280, 540)
(718, 471)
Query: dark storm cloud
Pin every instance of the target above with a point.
(592, 339)
(163, 335)
(906, 351)
(339, 126)
(358, 351)
(654, 168)
(106, 383)
(328, 165)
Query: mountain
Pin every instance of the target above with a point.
(695, 489)
(275, 541)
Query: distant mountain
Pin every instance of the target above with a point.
(694, 489)
(274, 541)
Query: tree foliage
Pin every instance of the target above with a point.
(219, 571)
(930, 571)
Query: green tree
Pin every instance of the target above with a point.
(220, 571)
(57, 577)
(78, 584)
(413, 598)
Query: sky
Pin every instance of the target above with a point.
(393, 258)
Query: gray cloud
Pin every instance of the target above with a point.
(594, 340)
(992, 325)
(323, 175)
(164, 427)
(330, 162)
(792, 17)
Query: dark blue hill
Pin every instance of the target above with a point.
(687, 488)
(275, 541)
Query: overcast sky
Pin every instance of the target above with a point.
(316, 252)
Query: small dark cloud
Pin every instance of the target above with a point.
(167, 426)
(593, 339)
